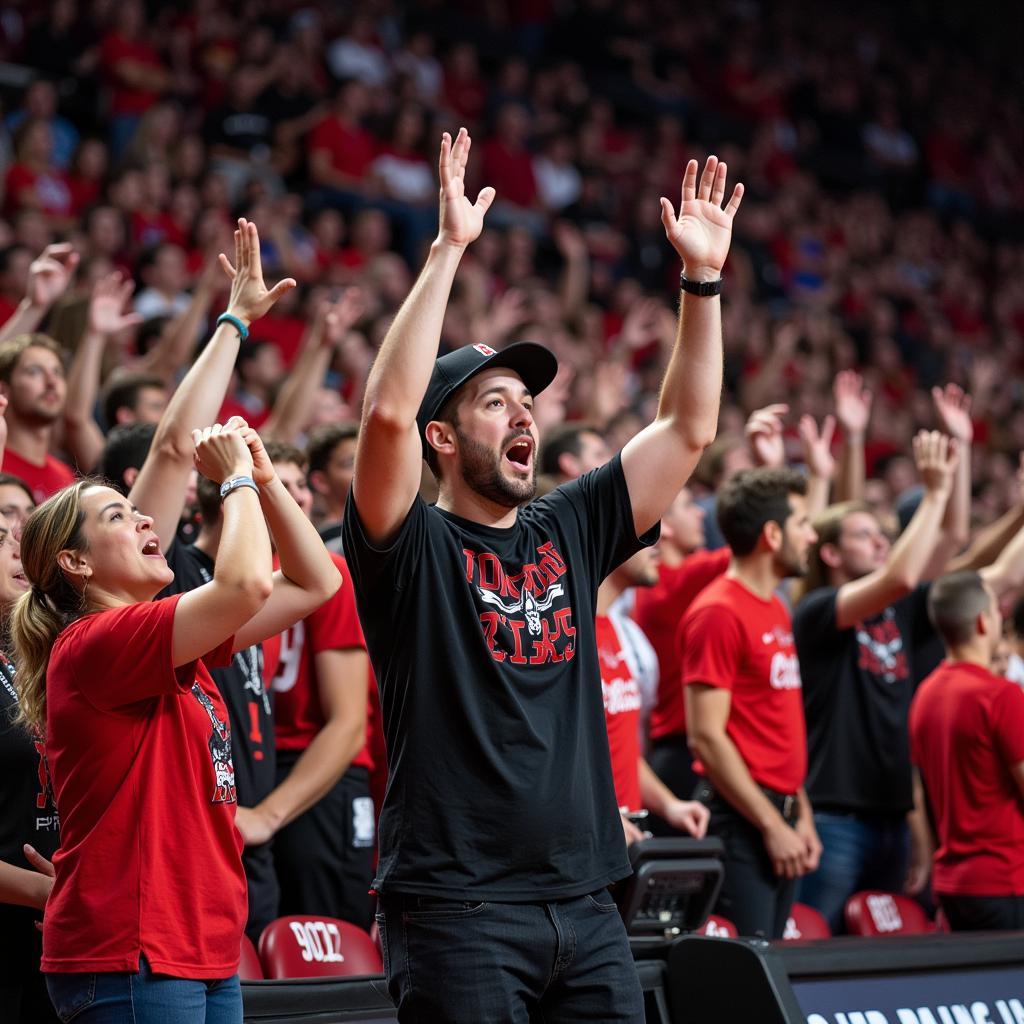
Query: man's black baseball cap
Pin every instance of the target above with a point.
(535, 364)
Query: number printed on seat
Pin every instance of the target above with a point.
(319, 941)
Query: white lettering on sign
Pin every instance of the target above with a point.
(1011, 1011)
(320, 941)
(785, 672)
(885, 913)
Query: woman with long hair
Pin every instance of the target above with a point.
(144, 922)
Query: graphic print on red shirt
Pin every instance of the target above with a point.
(139, 754)
(735, 640)
(966, 736)
(622, 707)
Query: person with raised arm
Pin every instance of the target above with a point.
(148, 903)
(479, 616)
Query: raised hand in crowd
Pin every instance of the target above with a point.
(953, 406)
(250, 298)
(109, 309)
(702, 231)
(460, 221)
(821, 464)
(853, 411)
(49, 277)
(935, 456)
(764, 433)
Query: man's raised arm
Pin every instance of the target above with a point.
(659, 460)
(390, 452)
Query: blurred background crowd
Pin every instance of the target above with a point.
(883, 227)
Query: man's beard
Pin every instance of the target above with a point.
(481, 470)
(788, 564)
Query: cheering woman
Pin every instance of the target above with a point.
(145, 918)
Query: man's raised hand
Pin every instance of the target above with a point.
(250, 298)
(460, 220)
(50, 274)
(702, 232)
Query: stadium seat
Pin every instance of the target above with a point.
(885, 913)
(317, 947)
(720, 927)
(805, 923)
(250, 968)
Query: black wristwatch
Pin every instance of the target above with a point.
(700, 288)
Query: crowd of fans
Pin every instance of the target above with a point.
(874, 286)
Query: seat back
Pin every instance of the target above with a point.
(805, 922)
(317, 947)
(872, 912)
(718, 926)
(249, 967)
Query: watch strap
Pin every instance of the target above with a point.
(234, 483)
(703, 289)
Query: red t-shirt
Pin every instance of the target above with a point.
(733, 639)
(966, 733)
(289, 665)
(658, 611)
(510, 171)
(42, 480)
(140, 758)
(50, 190)
(622, 706)
(351, 149)
(126, 98)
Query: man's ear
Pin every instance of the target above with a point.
(771, 536)
(830, 555)
(129, 476)
(569, 465)
(441, 437)
(318, 482)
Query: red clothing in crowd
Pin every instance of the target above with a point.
(47, 192)
(351, 149)
(658, 611)
(42, 480)
(140, 758)
(735, 640)
(289, 665)
(966, 734)
(622, 705)
(510, 171)
(124, 97)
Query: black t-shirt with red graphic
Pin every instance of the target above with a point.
(27, 815)
(483, 643)
(858, 684)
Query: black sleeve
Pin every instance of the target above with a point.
(814, 621)
(383, 570)
(599, 503)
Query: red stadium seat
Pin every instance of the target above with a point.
(250, 968)
(721, 927)
(317, 947)
(885, 913)
(805, 923)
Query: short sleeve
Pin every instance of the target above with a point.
(599, 503)
(1008, 724)
(711, 639)
(122, 656)
(379, 572)
(335, 624)
(814, 620)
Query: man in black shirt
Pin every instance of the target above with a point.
(857, 631)
(500, 829)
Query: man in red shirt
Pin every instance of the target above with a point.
(320, 815)
(967, 742)
(340, 149)
(685, 570)
(626, 657)
(744, 709)
(32, 379)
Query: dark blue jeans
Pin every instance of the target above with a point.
(860, 852)
(508, 963)
(144, 998)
